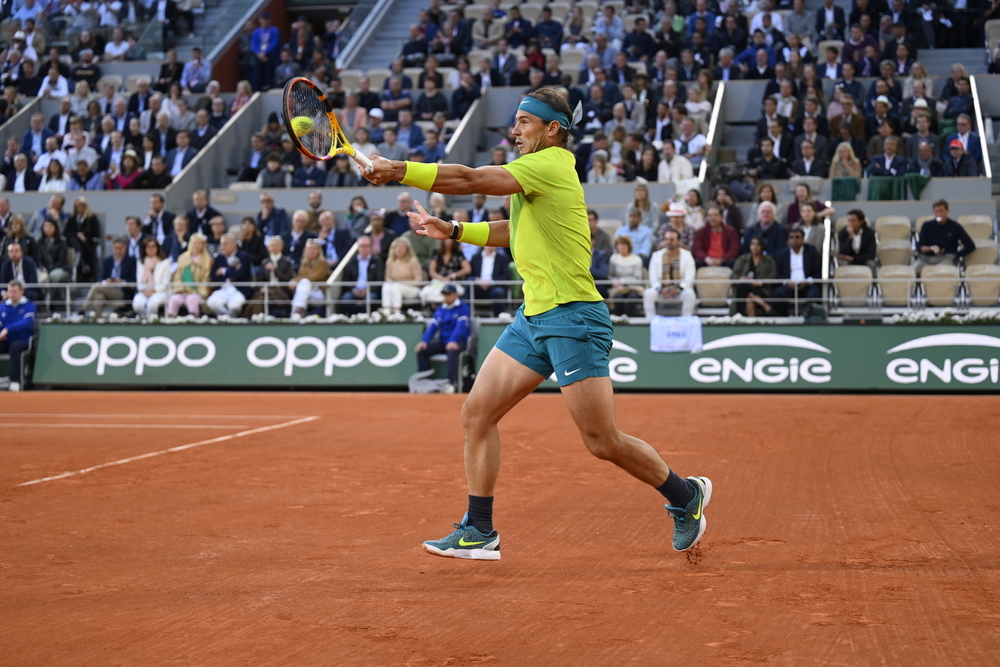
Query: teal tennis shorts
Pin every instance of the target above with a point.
(573, 340)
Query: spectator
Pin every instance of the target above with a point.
(446, 265)
(447, 333)
(858, 40)
(924, 162)
(390, 149)
(183, 118)
(691, 144)
(252, 243)
(22, 179)
(602, 171)
(671, 277)
(970, 140)
(888, 163)
(191, 277)
(265, 44)
(313, 271)
(117, 273)
(86, 72)
(641, 236)
(254, 159)
(177, 243)
(361, 270)
(774, 235)
(203, 132)
(487, 31)
(231, 265)
(159, 222)
(273, 175)
(135, 52)
(856, 242)
(803, 195)
(678, 214)
(275, 274)
(179, 157)
(170, 73)
(403, 272)
(19, 263)
(811, 226)
(798, 267)
(17, 326)
(715, 244)
(295, 239)
(749, 274)
(381, 237)
(81, 151)
(958, 162)
(625, 271)
(673, 167)
(648, 210)
(394, 99)
(942, 240)
(196, 73)
(219, 116)
(55, 178)
(128, 176)
(83, 232)
(271, 221)
(548, 30)
(28, 83)
(430, 101)
(154, 281)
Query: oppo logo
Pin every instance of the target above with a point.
(309, 351)
(769, 370)
(969, 370)
(120, 351)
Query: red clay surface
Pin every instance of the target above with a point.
(865, 534)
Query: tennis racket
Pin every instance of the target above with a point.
(313, 125)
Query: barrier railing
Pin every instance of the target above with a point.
(873, 295)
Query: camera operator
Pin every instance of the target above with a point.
(766, 166)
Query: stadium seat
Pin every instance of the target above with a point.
(530, 11)
(839, 224)
(639, 67)
(895, 252)
(712, 284)
(377, 77)
(243, 185)
(896, 283)
(940, 282)
(983, 282)
(893, 228)
(132, 82)
(588, 7)
(977, 226)
(823, 45)
(414, 74)
(559, 10)
(572, 58)
(475, 12)
(610, 225)
(853, 284)
(992, 33)
(919, 222)
(349, 78)
(619, 5)
(985, 253)
(114, 79)
(475, 55)
(445, 73)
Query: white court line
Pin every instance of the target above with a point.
(36, 425)
(180, 448)
(148, 415)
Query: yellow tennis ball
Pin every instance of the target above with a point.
(301, 125)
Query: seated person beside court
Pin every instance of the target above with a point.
(448, 333)
(17, 326)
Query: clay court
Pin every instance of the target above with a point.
(844, 530)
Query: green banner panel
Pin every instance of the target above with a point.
(806, 358)
(245, 356)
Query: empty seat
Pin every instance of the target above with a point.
(896, 283)
(983, 281)
(446, 74)
(588, 7)
(414, 74)
(919, 222)
(985, 253)
(572, 58)
(940, 282)
(114, 79)
(559, 10)
(977, 226)
(530, 11)
(895, 252)
(132, 82)
(840, 223)
(610, 225)
(377, 77)
(893, 228)
(853, 284)
(350, 78)
(712, 284)
(475, 12)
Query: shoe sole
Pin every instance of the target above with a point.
(467, 554)
(703, 522)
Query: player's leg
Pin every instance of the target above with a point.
(591, 403)
(500, 385)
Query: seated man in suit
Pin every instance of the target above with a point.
(887, 163)
(798, 266)
(856, 242)
(231, 265)
(362, 270)
(450, 327)
(808, 164)
(19, 266)
(179, 157)
(490, 265)
(925, 163)
(969, 139)
(958, 162)
(117, 274)
(295, 239)
(17, 326)
(203, 131)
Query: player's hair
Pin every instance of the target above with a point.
(940, 202)
(553, 99)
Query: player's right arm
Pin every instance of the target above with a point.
(452, 179)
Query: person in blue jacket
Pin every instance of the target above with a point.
(17, 326)
(230, 266)
(452, 326)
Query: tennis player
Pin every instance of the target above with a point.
(563, 326)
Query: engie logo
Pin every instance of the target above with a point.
(966, 370)
(325, 352)
(138, 352)
(769, 370)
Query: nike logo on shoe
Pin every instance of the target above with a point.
(697, 515)
(568, 373)
(463, 543)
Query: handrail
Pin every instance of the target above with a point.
(466, 119)
(235, 30)
(364, 31)
(982, 129)
(712, 129)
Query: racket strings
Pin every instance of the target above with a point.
(303, 102)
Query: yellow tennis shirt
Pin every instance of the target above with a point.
(549, 232)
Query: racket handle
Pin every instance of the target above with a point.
(363, 160)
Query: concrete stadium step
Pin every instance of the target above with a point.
(391, 34)
(939, 61)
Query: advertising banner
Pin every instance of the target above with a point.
(246, 356)
(806, 358)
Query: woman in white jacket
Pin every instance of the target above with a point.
(671, 277)
(154, 280)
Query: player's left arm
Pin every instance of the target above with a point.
(436, 228)
(452, 179)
